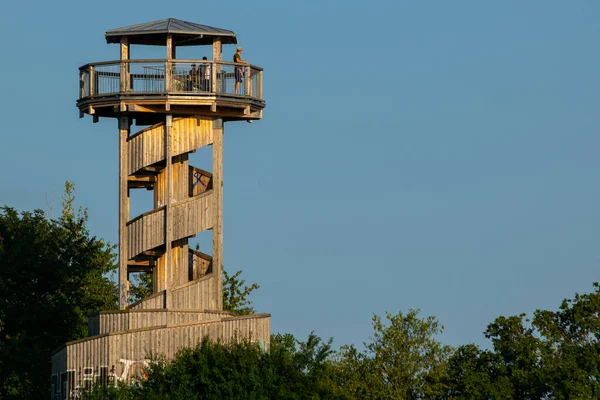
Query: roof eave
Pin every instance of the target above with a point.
(116, 37)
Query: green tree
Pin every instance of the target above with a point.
(555, 355)
(288, 369)
(570, 351)
(403, 360)
(54, 273)
(236, 294)
(142, 285)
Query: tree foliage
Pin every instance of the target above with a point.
(555, 355)
(236, 294)
(403, 360)
(288, 369)
(54, 273)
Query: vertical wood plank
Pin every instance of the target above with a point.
(217, 209)
(123, 211)
(92, 84)
(124, 75)
(169, 206)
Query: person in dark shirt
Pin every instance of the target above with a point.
(239, 70)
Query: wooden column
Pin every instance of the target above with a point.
(169, 206)
(247, 85)
(181, 192)
(217, 235)
(216, 69)
(124, 65)
(92, 80)
(123, 213)
(170, 47)
(169, 65)
(217, 49)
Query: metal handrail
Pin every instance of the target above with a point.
(170, 77)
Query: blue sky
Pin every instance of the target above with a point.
(413, 154)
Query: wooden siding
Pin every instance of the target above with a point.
(152, 302)
(180, 262)
(192, 215)
(118, 351)
(145, 232)
(200, 264)
(196, 295)
(110, 322)
(200, 181)
(147, 146)
(191, 133)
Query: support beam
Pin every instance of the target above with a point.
(217, 235)
(123, 213)
(169, 66)
(92, 80)
(216, 68)
(170, 47)
(169, 206)
(217, 49)
(124, 65)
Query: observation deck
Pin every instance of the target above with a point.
(146, 87)
(143, 89)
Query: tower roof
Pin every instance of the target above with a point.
(184, 33)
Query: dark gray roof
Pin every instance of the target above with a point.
(184, 33)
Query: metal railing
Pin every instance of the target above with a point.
(176, 76)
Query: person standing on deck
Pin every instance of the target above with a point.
(239, 71)
(205, 76)
(192, 79)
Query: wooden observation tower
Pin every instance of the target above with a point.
(182, 106)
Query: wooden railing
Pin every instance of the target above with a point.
(177, 76)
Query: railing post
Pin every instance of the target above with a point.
(213, 77)
(247, 85)
(168, 76)
(92, 79)
(260, 73)
(82, 83)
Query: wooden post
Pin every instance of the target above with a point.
(92, 85)
(124, 75)
(217, 57)
(169, 65)
(82, 83)
(170, 47)
(213, 78)
(123, 212)
(217, 235)
(169, 207)
(217, 49)
(247, 85)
